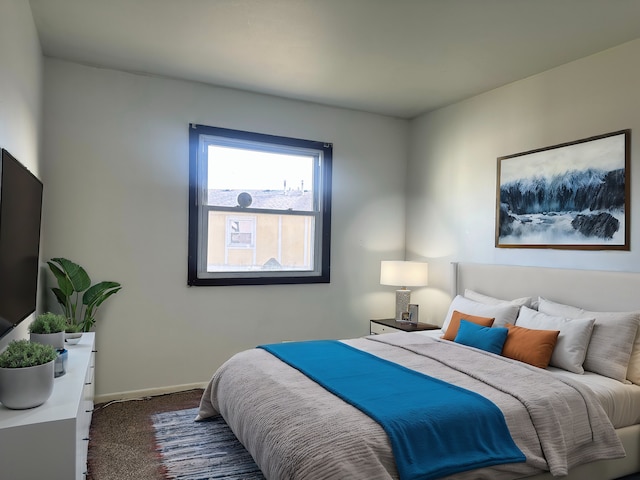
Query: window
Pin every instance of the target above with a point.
(259, 208)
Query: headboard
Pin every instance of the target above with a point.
(588, 289)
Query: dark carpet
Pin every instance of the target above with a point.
(122, 437)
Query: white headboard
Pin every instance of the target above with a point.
(588, 289)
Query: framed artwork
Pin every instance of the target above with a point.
(569, 196)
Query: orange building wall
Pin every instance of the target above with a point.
(294, 233)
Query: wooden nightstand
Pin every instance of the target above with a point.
(389, 325)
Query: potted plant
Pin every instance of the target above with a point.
(26, 374)
(79, 299)
(48, 329)
(72, 333)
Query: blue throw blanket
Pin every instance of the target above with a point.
(435, 428)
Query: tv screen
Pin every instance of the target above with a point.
(20, 213)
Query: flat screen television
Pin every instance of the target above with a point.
(20, 214)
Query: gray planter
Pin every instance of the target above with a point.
(27, 387)
(56, 340)
(72, 338)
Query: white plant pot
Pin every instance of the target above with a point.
(72, 338)
(56, 340)
(27, 387)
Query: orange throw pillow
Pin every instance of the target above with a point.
(454, 324)
(530, 346)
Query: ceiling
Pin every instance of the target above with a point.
(393, 57)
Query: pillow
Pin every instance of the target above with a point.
(484, 338)
(530, 346)
(503, 313)
(613, 339)
(487, 300)
(454, 324)
(571, 347)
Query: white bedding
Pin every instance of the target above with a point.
(296, 430)
(620, 401)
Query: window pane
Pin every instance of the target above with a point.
(261, 242)
(257, 179)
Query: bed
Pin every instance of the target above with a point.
(561, 420)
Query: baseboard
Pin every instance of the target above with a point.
(149, 392)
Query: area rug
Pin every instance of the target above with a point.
(201, 450)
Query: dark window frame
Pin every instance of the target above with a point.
(264, 278)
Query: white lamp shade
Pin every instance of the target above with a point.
(404, 274)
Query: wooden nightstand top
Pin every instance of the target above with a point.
(405, 327)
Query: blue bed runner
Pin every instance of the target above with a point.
(435, 428)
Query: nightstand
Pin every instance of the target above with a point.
(389, 325)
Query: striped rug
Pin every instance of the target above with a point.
(201, 450)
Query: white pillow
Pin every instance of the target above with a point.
(487, 300)
(571, 347)
(614, 337)
(503, 313)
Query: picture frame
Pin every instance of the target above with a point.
(574, 195)
(413, 313)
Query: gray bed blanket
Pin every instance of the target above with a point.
(295, 429)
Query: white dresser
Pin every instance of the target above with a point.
(51, 441)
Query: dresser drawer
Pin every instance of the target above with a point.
(378, 329)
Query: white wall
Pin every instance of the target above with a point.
(115, 168)
(20, 96)
(453, 160)
(116, 165)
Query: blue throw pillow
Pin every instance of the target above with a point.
(484, 338)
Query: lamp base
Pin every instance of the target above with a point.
(403, 297)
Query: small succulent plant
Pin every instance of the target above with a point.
(23, 353)
(48, 323)
(73, 328)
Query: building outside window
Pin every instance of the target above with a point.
(259, 208)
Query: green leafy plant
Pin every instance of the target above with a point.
(79, 299)
(72, 328)
(23, 353)
(48, 323)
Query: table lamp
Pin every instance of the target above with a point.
(403, 274)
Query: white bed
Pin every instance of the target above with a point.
(590, 289)
(254, 411)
